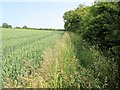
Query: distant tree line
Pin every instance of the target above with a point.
(5, 25)
(99, 25)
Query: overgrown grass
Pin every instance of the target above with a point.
(73, 63)
(100, 70)
(59, 64)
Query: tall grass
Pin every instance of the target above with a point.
(59, 64)
(100, 70)
(73, 63)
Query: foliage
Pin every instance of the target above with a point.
(5, 25)
(99, 66)
(99, 26)
(103, 31)
(73, 18)
(17, 27)
(25, 27)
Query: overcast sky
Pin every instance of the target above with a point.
(37, 14)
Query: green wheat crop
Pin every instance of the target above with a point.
(22, 50)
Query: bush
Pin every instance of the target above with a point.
(99, 26)
(25, 27)
(5, 25)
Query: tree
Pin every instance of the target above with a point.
(5, 25)
(9, 26)
(25, 27)
(74, 18)
(17, 27)
(99, 26)
(102, 30)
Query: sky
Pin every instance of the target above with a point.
(42, 14)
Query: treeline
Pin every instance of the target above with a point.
(99, 26)
(5, 25)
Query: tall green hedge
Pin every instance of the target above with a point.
(99, 26)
